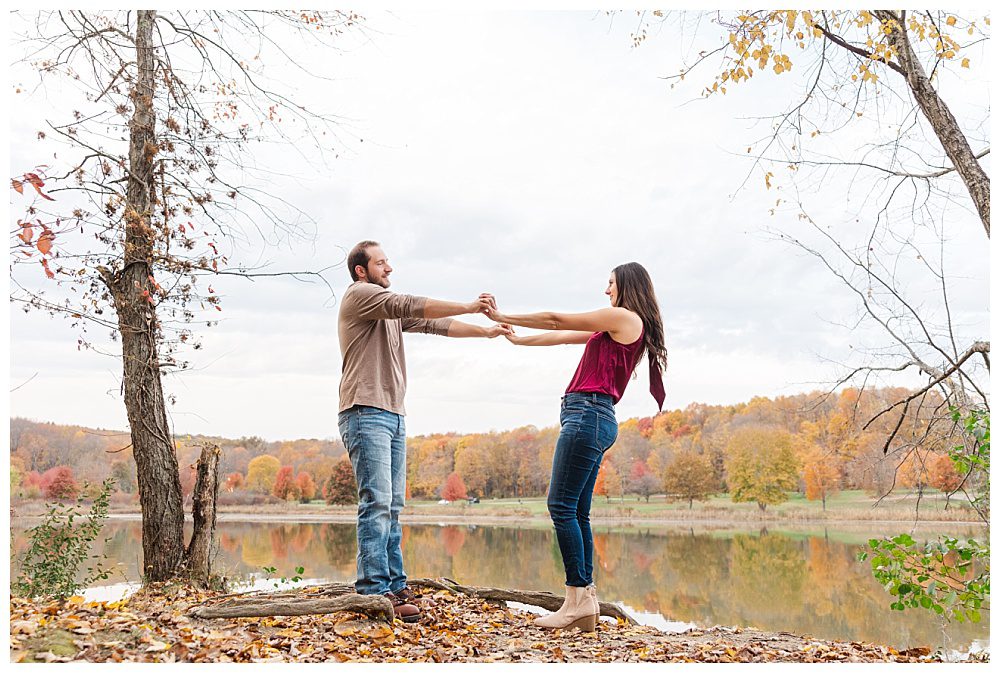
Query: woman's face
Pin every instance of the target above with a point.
(612, 290)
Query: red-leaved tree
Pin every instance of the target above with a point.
(341, 489)
(284, 484)
(454, 488)
(234, 480)
(60, 484)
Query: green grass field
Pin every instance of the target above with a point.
(901, 505)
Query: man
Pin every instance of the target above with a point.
(371, 419)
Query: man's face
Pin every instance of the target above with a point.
(378, 267)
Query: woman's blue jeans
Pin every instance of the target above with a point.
(588, 430)
(376, 443)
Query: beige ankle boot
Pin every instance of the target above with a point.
(592, 592)
(577, 612)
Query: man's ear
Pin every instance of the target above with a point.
(361, 272)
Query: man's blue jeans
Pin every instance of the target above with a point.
(588, 430)
(376, 443)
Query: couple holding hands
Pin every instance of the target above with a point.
(372, 424)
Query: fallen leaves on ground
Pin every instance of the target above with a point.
(153, 626)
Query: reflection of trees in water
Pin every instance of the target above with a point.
(767, 573)
(688, 574)
(229, 543)
(423, 554)
(257, 551)
(302, 537)
(804, 584)
(340, 543)
(452, 539)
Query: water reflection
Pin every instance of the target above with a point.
(805, 581)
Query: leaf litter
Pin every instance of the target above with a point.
(152, 625)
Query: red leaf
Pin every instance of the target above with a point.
(218, 308)
(17, 185)
(214, 249)
(27, 232)
(37, 183)
(44, 244)
(48, 271)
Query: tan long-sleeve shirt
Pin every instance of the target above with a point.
(372, 322)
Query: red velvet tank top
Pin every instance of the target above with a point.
(607, 365)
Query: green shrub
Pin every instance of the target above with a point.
(948, 576)
(59, 546)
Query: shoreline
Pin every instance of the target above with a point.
(242, 515)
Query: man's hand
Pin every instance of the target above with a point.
(498, 330)
(485, 304)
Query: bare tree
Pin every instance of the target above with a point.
(153, 172)
(854, 65)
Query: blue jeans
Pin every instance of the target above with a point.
(588, 430)
(376, 443)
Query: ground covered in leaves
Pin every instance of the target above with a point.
(153, 625)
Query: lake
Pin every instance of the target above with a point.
(800, 579)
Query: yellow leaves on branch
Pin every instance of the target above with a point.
(759, 40)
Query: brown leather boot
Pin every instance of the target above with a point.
(410, 596)
(407, 612)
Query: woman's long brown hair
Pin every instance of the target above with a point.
(635, 292)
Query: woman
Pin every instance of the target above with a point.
(616, 338)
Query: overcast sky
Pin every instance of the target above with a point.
(523, 154)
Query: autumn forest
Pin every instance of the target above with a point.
(755, 451)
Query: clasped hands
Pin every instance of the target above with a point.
(487, 305)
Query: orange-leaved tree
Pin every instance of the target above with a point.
(306, 486)
(822, 474)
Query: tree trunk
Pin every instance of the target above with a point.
(940, 117)
(132, 291)
(378, 607)
(206, 491)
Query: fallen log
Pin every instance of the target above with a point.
(340, 597)
(377, 607)
(542, 599)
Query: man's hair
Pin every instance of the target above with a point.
(359, 256)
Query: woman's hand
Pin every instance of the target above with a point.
(516, 340)
(497, 330)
